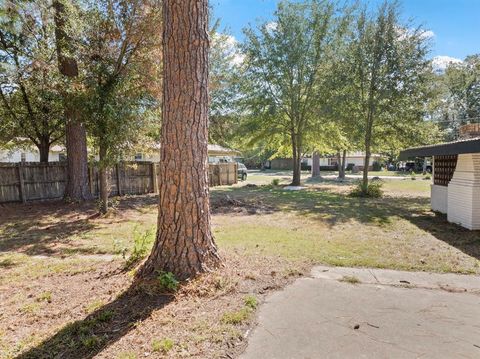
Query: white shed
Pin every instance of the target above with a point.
(456, 177)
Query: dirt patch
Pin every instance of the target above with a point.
(100, 314)
(226, 204)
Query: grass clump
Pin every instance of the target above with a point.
(167, 281)
(105, 316)
(90, 342)
(251, 302)
(162, 346)
(350, 279)
(97, 304)
(126, 355)
(275, 182)
(373, 190)
(45, 296)
(236, 317)
(142, 242)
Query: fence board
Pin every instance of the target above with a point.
(47, 181)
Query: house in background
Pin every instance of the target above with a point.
(30, 154)
(327, 163)
(216, 154)
(456, 176)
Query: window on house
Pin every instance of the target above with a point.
(23, 157)
(62, 157)
(138, 157)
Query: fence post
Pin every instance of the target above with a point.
(119, 182)
(21, 186)
(154, 178)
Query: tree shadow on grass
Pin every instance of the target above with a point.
(87, 337)
(38, 228)
(456, 236)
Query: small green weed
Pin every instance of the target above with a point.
(350, 279)
(105, 316)
(142, 242)
(275, 182)
(90, 341)
(167, 281)
(162, 346)
(251, 302)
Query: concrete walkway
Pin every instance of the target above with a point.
(388, 314)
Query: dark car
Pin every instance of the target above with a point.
(242, 171)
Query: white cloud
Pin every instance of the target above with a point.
(428, 34)
(440, 63)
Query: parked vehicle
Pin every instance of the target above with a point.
(242, 171)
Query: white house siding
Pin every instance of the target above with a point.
(30, 156)
(439, 198)
(464, 192)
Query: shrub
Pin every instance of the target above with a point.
(374, 190)
(376, 166)
(275, 182)
(427, 177)
(167, 281)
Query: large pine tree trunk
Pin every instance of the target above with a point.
(184, 243)
(315, 165)
(77, 171)
(77, 188)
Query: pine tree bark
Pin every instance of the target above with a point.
(77, 188)
(184, 245)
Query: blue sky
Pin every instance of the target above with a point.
(455, 23)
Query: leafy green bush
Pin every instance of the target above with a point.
(275, 182)
(373, 190)
(377, 166)
(167, 281)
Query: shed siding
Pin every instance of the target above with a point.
(464, 192)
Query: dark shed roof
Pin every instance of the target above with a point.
(470, 145)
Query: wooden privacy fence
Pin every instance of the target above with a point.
(23, 182)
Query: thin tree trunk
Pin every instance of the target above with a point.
(344, 164)
(339, 164)
(296, 160)
(184, 245)
(315, 165)
(366, 164)
(103, 177)
(77, 188)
